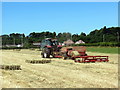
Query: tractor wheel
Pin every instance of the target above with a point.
(53, 56)
(85, 55)
(73, 58)
(65, 56)
(46, 53)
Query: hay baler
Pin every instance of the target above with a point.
(78, 54)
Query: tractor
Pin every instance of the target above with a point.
(50, 47)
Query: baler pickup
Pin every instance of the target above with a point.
(83, 59)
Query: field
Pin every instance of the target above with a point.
(112, 50)
(59, 73)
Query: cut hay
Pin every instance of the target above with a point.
(32, 48)
(16, 49)
(38, 61)
(59, 73)
(10, 67)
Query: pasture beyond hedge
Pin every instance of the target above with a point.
(112, 50)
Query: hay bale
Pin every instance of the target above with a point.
(10, 67)
(1, 67)
(74, 53)
(37, 61)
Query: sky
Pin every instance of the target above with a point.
(59, 17)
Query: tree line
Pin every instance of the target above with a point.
(96, 36)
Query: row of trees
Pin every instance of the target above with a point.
(103, 35)
(13, 39)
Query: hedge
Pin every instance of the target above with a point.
(112, 44)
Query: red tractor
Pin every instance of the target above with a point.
(50, 47)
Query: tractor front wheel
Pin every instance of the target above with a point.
(45, 55)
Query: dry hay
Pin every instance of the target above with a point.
(37, 50)
(37, 61)
(10, 67)
(16, 49)
(59, 73)
(32, 48)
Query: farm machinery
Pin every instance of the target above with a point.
(51, 47)
(78, 54)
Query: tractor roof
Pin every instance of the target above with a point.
(51, 39)
(47, 38)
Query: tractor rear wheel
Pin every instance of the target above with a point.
(65, 56)
(46, 53)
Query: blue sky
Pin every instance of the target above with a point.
(73, 17)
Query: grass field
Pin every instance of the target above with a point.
(111, 50)
(59, 73)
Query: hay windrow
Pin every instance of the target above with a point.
(10, 67)
(37, 61)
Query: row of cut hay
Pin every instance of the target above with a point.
(10, 67)
(34, 49)
(38, 61)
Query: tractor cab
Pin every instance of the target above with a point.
(49, 47)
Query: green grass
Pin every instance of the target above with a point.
(112, 50)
